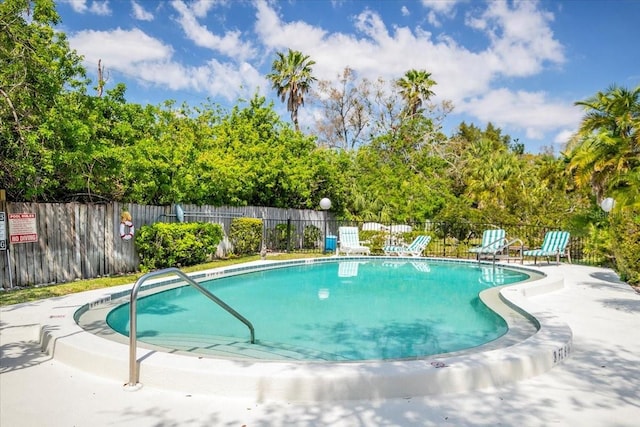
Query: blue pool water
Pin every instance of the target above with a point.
(343, 310)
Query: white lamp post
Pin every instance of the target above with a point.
(325, 205)
(607, 204)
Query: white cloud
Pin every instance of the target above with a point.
(79, 6)
(229, 44)
(229, 81)
(521, 43)
(521, 38)
(564, 136)
(374, 52)
(140, 13)
(100, 7)
(445, 7)
(277, 35)
(532, 112)
(96, 7)
(404, 10)
(150, 61)
(439, 8)
(107, 45)
(201, 8)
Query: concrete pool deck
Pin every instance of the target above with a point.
(597, 385)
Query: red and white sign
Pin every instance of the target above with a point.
(23, 228)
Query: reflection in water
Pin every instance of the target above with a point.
(492, 276)
(348, 269)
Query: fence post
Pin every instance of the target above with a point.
(444, 239)
(4, 243)
(288, 235)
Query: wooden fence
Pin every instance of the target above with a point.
(82, 241)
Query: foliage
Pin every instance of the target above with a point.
(625, 237)
(246, 235)
(398, 177)
(415, 89)
(162, 245)
(346, 111)
(291, 78)
(311, 237)
(605, 154)
(378, 153)
(281, 237)
(37, 68)
(604, 157)
(261, 162)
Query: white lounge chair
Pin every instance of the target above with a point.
(349, 242)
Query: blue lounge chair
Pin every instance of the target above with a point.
(349, 243)
(554, 244)
(414, 249)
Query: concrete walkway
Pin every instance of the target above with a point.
(599, 385)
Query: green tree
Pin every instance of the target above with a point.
(604, 156)
(291, 78)
(36, 67)
(415, 88)
(397, 177)
(253, 158)
(605, 152)
(346, 111)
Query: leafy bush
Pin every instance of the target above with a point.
(626, 235)
(246, 235)
(376, 240)
(278, 236)
(162, 245)
(311, 237)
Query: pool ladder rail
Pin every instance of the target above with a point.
(133, 313)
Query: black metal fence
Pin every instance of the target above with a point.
(447, 239)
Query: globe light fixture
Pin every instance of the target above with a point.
(607, 204)
(325, 204)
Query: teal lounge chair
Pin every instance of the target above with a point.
(349, 242)
(554, 244)
(493, 242)
(414, 249)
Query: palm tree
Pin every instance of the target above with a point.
(605, 152)
(292, 79)
(415, 88)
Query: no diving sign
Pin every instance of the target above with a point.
(23, 228)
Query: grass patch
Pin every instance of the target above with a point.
(34, 293)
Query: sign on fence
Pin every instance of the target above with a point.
(3, 232)
(23, 228)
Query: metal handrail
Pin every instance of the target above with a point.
(501, 248)
(133, 366)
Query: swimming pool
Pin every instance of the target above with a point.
(338, 310)
(535, 343)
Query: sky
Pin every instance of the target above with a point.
(520, 65)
